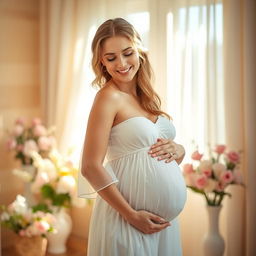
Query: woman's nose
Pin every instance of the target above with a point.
(121, 62)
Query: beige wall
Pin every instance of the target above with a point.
(19, 83)
(20, 94)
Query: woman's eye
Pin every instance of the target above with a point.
(128, 54)
(111, 59)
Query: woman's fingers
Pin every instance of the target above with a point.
(166, 149)
(162, 149)
(159, 227)
(149, 223)
(157, 219)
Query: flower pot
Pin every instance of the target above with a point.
(57, 240)
(30, 246)
(213, 242)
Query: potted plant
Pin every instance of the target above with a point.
(30, 225)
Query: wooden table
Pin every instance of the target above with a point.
(76, 246)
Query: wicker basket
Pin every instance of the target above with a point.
(30, 246)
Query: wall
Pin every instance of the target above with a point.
(20, 95)
(19, 83)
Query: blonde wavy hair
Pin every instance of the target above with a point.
(148, 98)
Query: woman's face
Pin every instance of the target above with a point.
(121, 59)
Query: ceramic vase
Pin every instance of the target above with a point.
(213, 242)
(57, 241)
(31, 170)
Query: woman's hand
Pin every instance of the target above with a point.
(168, 150)
(147, 223)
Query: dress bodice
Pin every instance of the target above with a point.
(137, 133)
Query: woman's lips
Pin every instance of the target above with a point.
(124, 71)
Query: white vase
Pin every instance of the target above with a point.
(31, 170)
(213, 241)
(57, 240)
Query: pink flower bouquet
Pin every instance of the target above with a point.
(24, 220)
(211, 177)
(25, 139)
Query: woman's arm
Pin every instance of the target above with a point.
(105, 107)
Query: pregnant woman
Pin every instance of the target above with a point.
(141, 188)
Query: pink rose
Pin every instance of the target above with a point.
(220, 149)
(233, 157)
(18, 130)
(36, 121)
(207, 172)
(20, 121)
(226, 177)
(39, 130)
(220, 186)
(41, 226)
(11, 144)
(200, 181)
(196, 156)
(187, 168)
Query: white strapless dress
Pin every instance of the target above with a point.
(147, 184)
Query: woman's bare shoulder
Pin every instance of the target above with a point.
(108, 96)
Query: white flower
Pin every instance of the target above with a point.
(29, 147)
(205, 165)
(41, 179)
(20, 205)
(218, 168)
(44, 143)
(66, 184)
(49, 168)
(50, 218)
(37, 159)
(211, 185)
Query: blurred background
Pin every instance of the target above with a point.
(204, 58)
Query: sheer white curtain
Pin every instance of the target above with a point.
(187, 53)
(67, 28)
(188, 59)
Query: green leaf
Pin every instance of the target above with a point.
(41, 207)
(196, 190)
(62, 200)
(48, 191)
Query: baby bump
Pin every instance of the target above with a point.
(152, 185)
